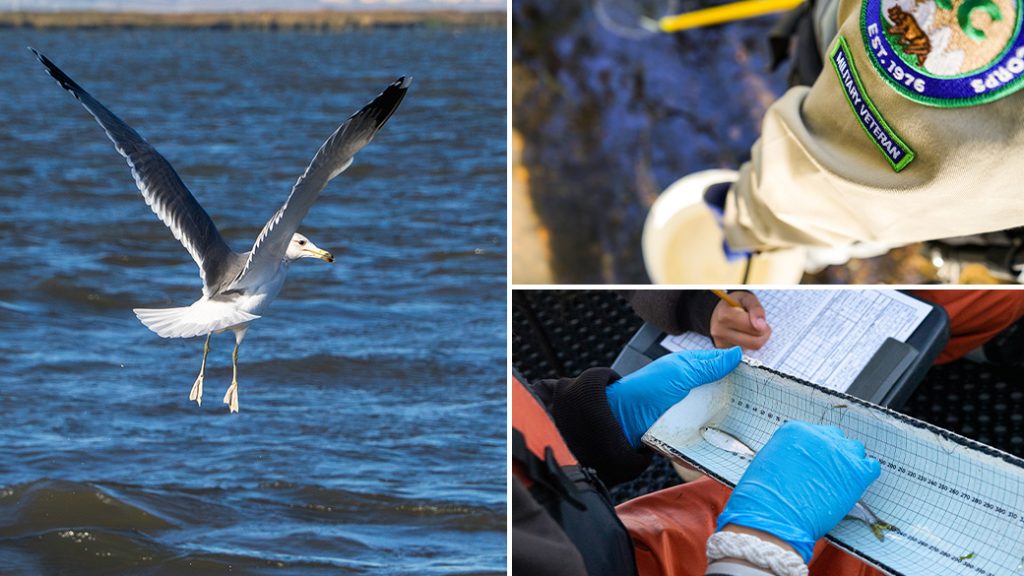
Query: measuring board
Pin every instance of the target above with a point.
(957, 505)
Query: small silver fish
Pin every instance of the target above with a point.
(725, 441)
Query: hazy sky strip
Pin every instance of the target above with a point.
(247, 5)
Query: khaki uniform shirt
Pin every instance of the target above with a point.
(921, 138)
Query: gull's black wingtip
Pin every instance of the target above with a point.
(398, 87)
(380, 109)
(392, 96)
(57, 74)
(38, 56)
(46, 61)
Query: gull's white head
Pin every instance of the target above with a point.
(301, 247)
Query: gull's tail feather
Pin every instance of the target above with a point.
(189, 321)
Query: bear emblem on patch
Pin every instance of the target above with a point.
(913, 40)
(949, 53)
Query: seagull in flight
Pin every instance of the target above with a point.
(237, 287)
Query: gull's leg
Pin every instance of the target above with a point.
(197, 388)
(231, 396)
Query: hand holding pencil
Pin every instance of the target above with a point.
(739, 320)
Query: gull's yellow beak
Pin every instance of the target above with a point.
(321, 254)
(325, 256)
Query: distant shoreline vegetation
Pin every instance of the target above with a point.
(319, 20)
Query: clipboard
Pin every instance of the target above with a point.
(888, 379)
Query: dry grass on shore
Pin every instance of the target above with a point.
(321, 20)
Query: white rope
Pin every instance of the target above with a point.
(756, 551)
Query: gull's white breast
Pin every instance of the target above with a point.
(255, 299)
(232, 311)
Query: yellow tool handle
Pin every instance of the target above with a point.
(725, 13)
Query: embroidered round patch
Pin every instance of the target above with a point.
(949, 53)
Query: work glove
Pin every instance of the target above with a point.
(714, 198)
(639, 399)
(801, 484)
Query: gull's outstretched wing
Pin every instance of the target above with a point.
(330, 160)
(161, 187)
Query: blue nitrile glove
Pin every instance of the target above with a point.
(640, 398)
(801, 484)
(714, 197)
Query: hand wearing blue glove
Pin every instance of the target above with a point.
(800, 485)
(639, 399)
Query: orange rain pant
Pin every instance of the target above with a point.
(975, 316)
(670, 529)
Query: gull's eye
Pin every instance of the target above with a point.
(302, 242)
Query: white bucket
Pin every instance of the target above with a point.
(682, 242)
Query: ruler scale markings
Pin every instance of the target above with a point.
(957, 504)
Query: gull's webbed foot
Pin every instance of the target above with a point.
(231, 397)
(197, 390)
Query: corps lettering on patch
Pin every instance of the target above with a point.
(947, 53)
(895, 151)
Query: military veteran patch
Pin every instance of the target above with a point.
(948, 53)
(889, 144)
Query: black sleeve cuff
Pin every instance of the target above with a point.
(699, 307)
(674, 311)
(580, 409)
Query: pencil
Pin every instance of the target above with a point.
(727, 299)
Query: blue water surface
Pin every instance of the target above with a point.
(371, 437)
